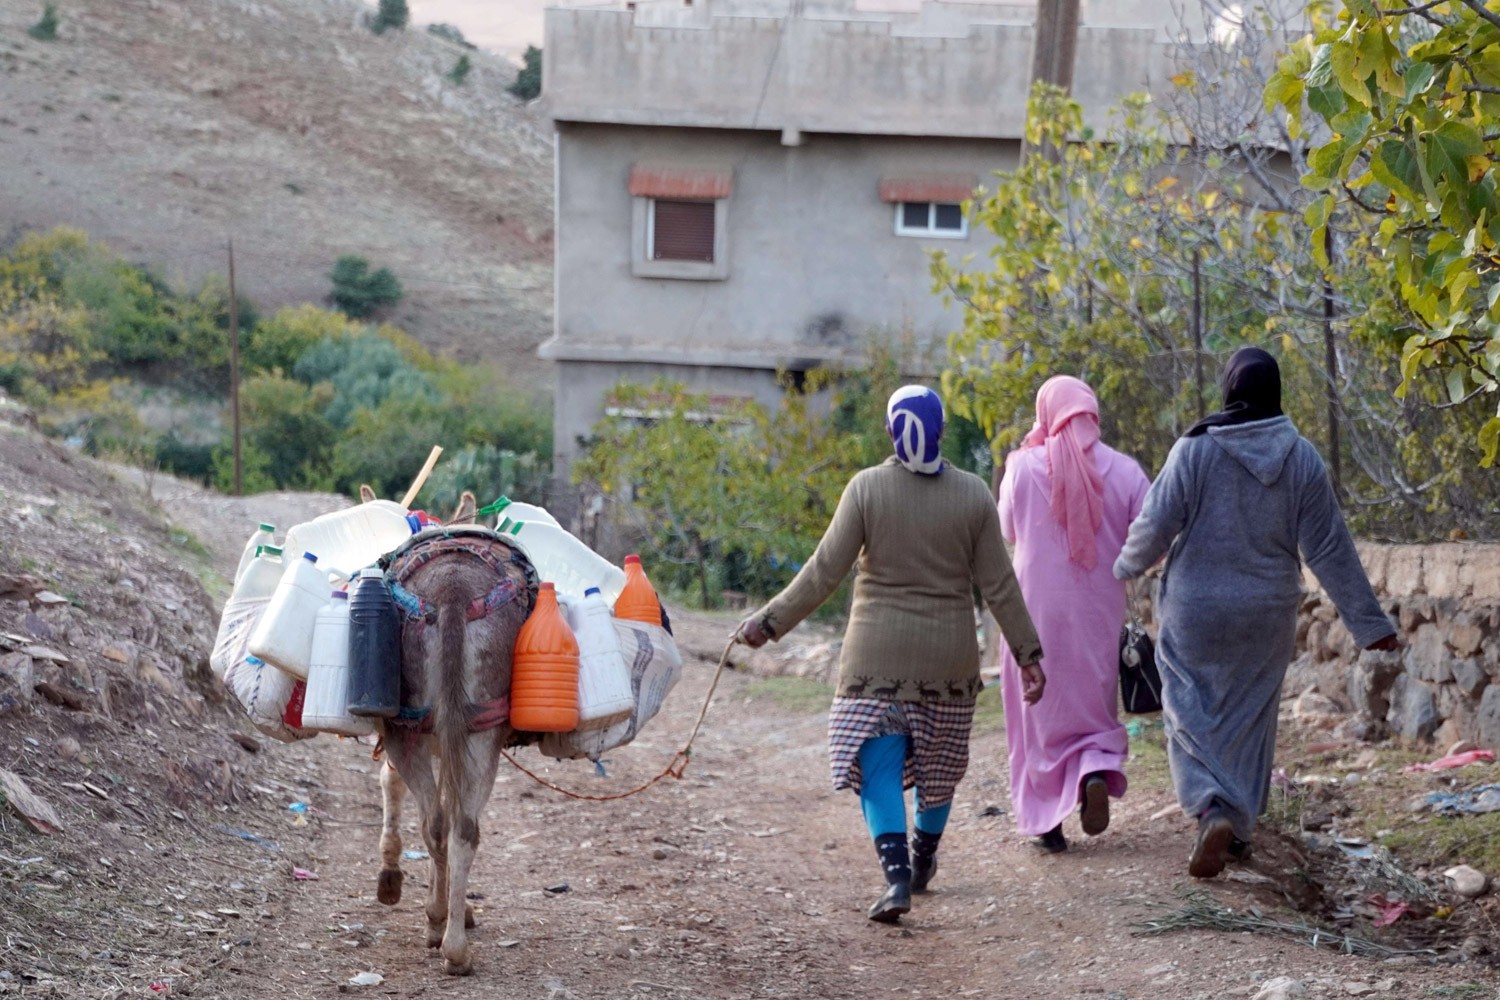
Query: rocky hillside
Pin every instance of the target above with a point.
(165, 127)
(123, 772)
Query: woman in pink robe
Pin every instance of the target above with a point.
(1066, 503)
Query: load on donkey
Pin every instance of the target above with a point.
(464, 593)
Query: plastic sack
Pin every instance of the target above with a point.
(655, 668)
(235, 625)
(265, 693)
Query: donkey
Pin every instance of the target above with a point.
(463, 615)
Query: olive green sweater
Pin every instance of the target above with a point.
(924, 544)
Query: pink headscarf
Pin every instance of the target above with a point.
(1067, 425)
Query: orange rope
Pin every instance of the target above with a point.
(679, 761)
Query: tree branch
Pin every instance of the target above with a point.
(1478, 7)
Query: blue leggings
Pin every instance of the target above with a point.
(882, 761)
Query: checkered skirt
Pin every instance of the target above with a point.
(938, 754)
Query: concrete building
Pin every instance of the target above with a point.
(747, 186)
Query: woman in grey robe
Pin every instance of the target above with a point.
(1241, 494)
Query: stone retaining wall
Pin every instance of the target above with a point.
(1444, 684)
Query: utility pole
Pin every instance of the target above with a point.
(1331, 366)
(234, 372)
(1055, 52)
(1198, 329)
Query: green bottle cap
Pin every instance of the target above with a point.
(267, 527)
(271, 550)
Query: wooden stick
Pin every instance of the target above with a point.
(421, 480)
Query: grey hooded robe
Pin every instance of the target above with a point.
(1235, 506)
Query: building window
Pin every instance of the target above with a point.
(681, 230)
(941, 219)
(680, 222)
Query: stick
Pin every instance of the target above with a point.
(421, 480)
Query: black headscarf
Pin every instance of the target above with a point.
(1252, 391)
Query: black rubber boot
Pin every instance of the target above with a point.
(924, 847)
(890, 907)
(1053, 841)
(895, 862)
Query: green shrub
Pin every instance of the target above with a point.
(284, 419)
(460, 71)
(276, 344)
(528, 85)
(390, 14)
(359, 292)
(45, 30)
(489, 472)
(180, 458)
(255, 469)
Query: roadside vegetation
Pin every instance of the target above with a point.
(121, 365)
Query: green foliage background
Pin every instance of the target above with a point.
(326, 402)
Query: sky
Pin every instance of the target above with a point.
(503, 26)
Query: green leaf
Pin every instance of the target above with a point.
(1489, 441)
(1395, 166)
(1418, 77)
(1449, 147)
(1455, 380)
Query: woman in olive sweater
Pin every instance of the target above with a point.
(924, 537)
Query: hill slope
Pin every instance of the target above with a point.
(165, 127)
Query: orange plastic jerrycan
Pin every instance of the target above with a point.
(638, 601)
(544, 672)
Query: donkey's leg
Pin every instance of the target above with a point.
(482, 751)
(392, 791)
(416, 770)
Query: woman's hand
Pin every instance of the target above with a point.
(751, 634)
(1389, 644)
(1033, 683)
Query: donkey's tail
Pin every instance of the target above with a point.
(451, 709)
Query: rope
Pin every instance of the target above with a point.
(675, 768)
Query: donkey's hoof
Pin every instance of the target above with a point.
(388, 886)
(456, 969)
(469, 922)
(435, 937)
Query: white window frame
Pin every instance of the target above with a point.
(644, 265)
(930, 231)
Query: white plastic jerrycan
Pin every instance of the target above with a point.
(243, 611)
(326, 705)
(515, 512)
(264, 535)
(604, 692)
(283, 638)
(569, 564)
(348, 540)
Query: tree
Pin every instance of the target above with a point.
(390, 14)
(360, 293)
(528, 85)
(45, 30)
(1405, 101)
(460, 71)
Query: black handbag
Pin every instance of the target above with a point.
(1140, 682)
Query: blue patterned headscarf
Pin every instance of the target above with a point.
(914, 420)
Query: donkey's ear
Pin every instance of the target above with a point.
(365, 493)
(467, 508)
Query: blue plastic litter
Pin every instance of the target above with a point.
(414, 855)
(247, 835)
(1484, 799)
(298, 807)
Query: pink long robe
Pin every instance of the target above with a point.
(1075, 729)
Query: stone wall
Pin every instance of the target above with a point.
(1444, 684)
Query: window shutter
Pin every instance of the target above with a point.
(683, 230)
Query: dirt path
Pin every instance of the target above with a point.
(747, 879)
